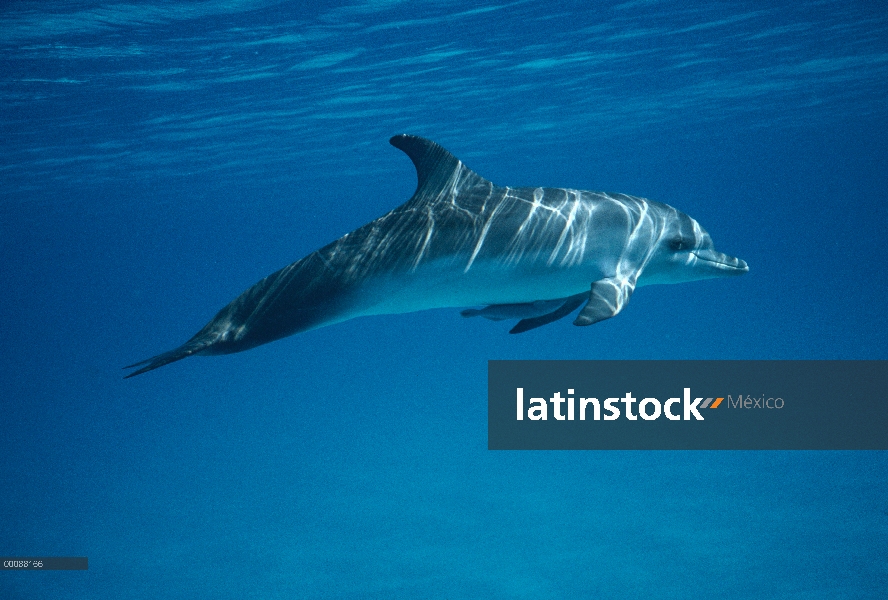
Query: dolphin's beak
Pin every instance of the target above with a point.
(721, 264)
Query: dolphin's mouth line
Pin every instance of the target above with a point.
(734, 264)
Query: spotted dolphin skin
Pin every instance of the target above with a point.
(533, 254)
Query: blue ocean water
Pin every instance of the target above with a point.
(158, 158)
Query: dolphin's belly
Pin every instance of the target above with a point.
(451, 286)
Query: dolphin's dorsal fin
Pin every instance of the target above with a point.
(436, 168)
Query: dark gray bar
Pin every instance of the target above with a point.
(765, 405)
(44, 563)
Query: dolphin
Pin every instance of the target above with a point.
(533, 254)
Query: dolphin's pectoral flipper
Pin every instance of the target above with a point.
(501, 312)
(532, 314)
(484, 312)
(607, 298)
(568, 306)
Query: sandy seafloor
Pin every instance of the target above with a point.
(159, 158)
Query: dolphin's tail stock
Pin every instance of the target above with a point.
(284, 303)
(199, 342)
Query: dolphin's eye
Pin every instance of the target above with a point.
(676, 244)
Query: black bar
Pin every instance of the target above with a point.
(44, 563)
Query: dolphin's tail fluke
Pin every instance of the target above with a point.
(192, 346)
